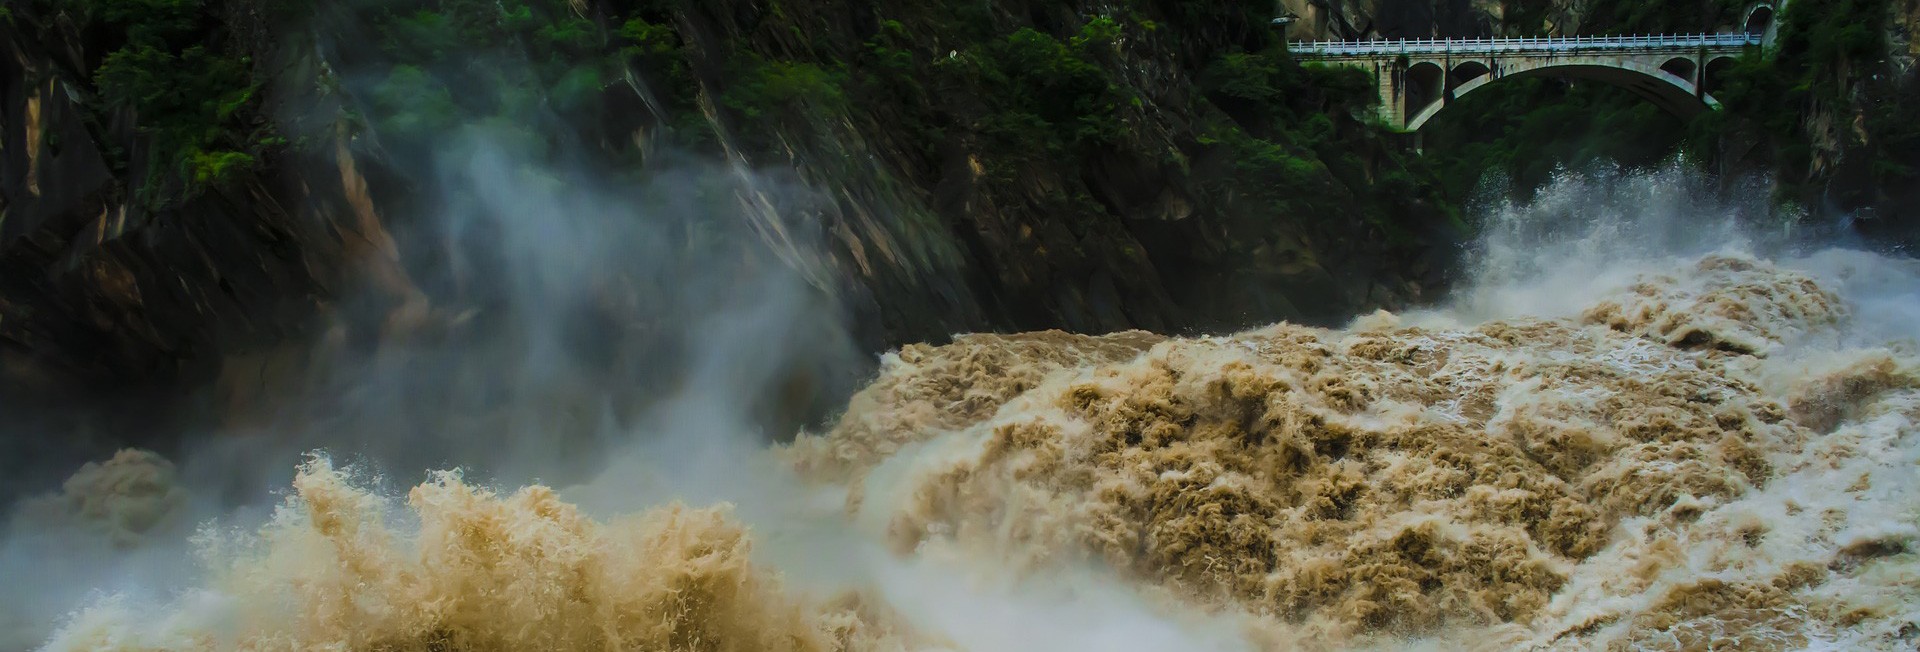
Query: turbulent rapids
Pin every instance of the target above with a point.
(1717, 453)
(1625, 477)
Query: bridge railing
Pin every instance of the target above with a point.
(1525, 44)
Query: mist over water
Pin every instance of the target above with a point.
(1591, 232)
(544, 321)
(571, 312)
(1649, 419)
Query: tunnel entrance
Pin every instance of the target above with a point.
(1759, 20)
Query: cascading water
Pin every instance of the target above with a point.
(1635, 429)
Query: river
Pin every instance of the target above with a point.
(1643, 422)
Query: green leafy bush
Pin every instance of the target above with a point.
(1036, 83)
(147, 22)
(760, 87)
(190, 99)
(216, 167)
(1245, 76)
(412, 104)
(188, 103)
(648, 39)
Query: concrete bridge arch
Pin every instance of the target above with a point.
(1676, 85)
(1419, 78)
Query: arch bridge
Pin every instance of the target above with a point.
(1419, 78)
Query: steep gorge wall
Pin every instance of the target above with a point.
(192, 195)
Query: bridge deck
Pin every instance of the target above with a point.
(1524, 46)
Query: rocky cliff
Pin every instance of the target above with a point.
(119, 282)
(197, 191)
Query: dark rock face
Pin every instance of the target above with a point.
(112, 310)
(933, 220)
(1144, 231)
(1391, 19)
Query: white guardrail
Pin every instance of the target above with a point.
(1542, 44)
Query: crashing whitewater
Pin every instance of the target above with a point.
(1701, 449)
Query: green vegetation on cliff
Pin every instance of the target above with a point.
(970, 165)
(194, 98)
(1523, 130)
(1821, 111)
(1286, 143)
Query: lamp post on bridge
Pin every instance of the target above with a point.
(1279, 24)
(1282, 18)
